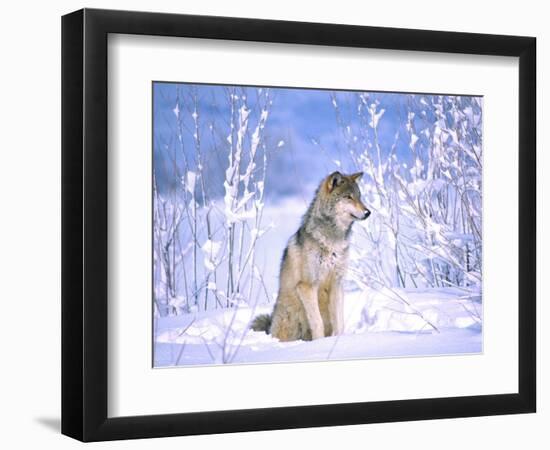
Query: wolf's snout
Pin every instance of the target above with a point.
(365, 214)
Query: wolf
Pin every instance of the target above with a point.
(309, 302)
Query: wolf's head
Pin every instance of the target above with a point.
(343, 196)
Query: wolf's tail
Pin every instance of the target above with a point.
(262, 323)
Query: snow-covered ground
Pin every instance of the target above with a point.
(384, 323)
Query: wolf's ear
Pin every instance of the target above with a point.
(356, 176)
(334, 179)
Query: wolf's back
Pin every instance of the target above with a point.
(262, 323)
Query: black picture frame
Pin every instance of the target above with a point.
(84, 224)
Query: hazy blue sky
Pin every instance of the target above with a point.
(297, 116)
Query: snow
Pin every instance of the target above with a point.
(413, 284)
(414, 139)
(176, 110)
(375, 116)
(377, 324)
(191, 180)
(211, 251)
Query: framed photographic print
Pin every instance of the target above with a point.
(266, 224)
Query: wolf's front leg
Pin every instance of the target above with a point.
(308, 296)
(336, 308)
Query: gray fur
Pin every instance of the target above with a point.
(262, 323)
(309, 302)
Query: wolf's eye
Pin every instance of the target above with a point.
(349, 197)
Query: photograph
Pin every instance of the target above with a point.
(299, 224)
(266, 225)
